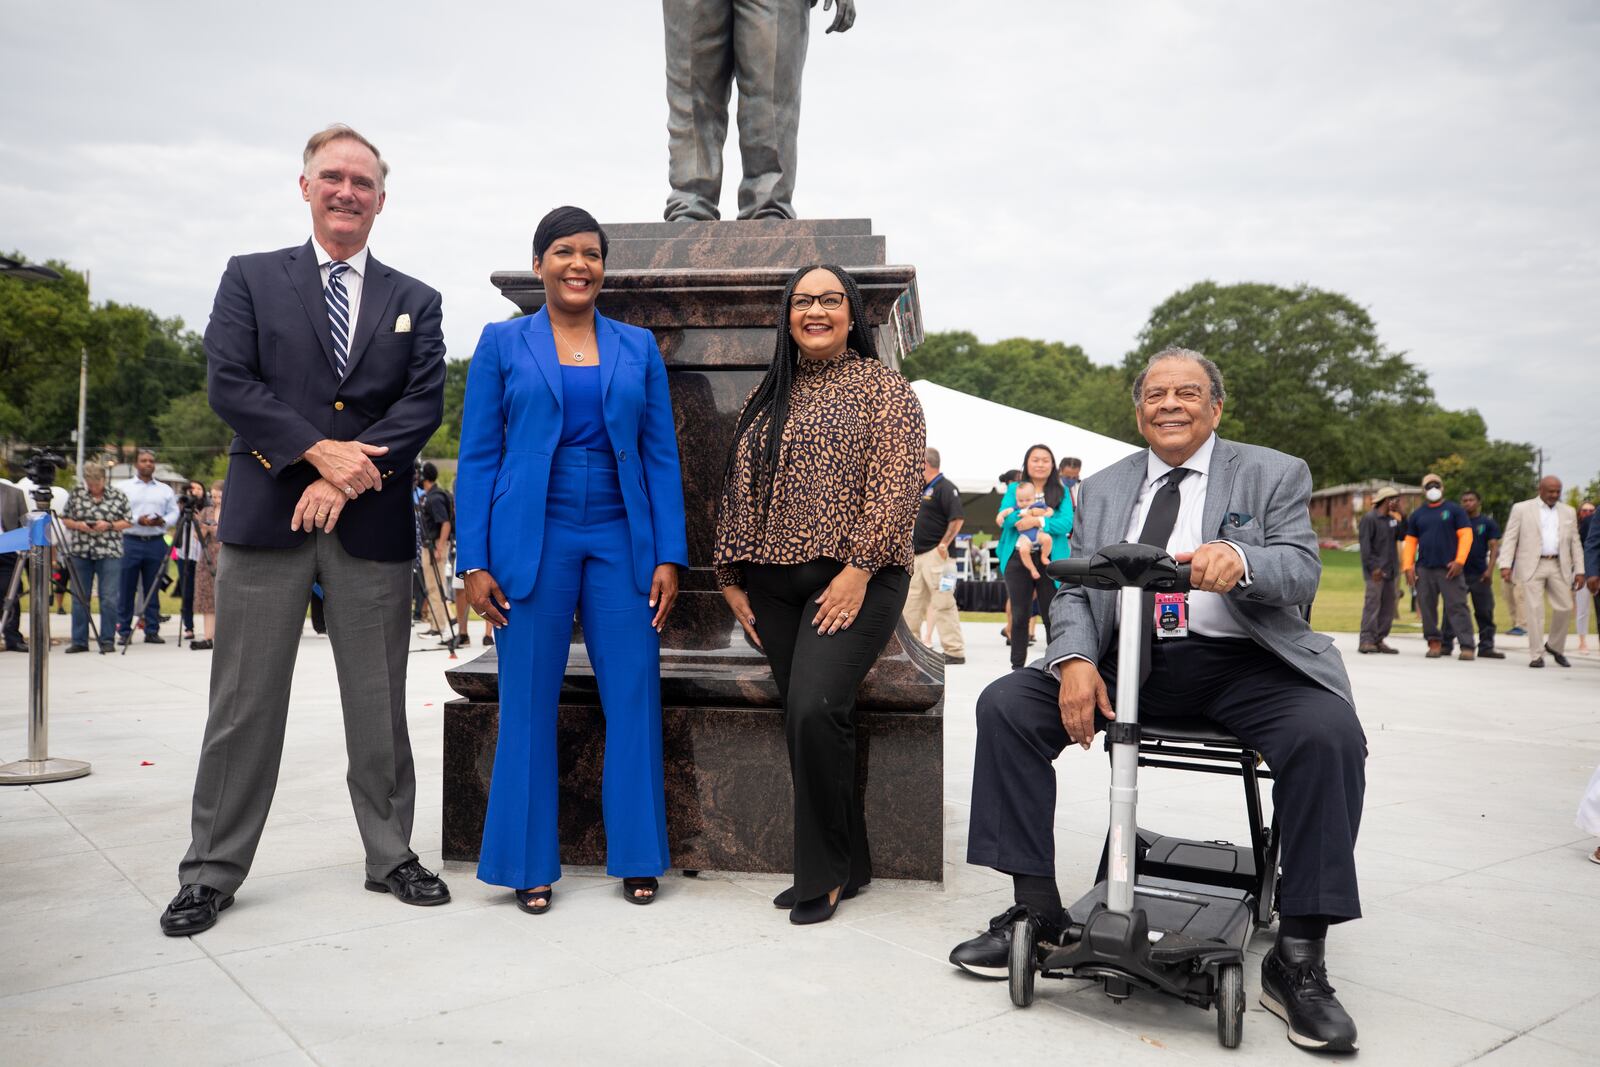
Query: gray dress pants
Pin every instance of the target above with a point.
(710, 44)
(262, 595)
(1433, 583)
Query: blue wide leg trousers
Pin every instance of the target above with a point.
(585, 569)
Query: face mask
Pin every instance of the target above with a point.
(1069, 482)
(1434, 494)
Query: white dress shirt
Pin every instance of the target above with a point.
(352, 283)
(1549, 529)
(1208, 615)
(149, 498)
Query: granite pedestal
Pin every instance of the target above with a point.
(710, 291)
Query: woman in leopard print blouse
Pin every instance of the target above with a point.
(813, 554)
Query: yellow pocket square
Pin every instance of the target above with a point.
(402, 324)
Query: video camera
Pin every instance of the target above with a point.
(40, 469)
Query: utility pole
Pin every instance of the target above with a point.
(83, 386)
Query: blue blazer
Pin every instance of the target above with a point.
(511, 426)
(271, 376)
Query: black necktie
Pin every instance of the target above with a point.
(1158, 526)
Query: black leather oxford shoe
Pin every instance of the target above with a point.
(193, 910)
(989, 954)
(1294, 987)
(412, 883)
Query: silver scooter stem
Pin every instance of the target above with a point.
(1125, 754)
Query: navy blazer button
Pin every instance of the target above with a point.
(338, 405)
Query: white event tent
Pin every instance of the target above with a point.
(978, 440)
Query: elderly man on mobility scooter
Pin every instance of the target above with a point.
(1247, 659)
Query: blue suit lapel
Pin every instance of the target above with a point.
(1219, 487)
(306, 277)
(542, 347)
(610, 352)
(376, 289)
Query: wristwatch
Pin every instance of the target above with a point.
(469, 570)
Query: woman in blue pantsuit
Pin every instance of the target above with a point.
(569, 501)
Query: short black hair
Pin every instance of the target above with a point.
(1069, 461)
(1472, 492)
(1010, 476)
(430, 473)
(564, 222)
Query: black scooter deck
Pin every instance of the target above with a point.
(1197, 913)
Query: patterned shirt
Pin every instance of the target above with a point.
(111, 507)
(849, 475)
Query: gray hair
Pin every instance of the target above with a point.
(94, 472)
(930, 456)
(144, 452)
(1213, 372)
(340, 132)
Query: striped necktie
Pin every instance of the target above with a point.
(338, 312)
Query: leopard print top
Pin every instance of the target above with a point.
(849, 474)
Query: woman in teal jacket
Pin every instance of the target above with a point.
(1021, 587)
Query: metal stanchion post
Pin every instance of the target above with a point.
(39, 767)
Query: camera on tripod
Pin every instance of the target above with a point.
(41, 468)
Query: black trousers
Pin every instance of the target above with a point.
(1310, 737)
(1022, 587)
(817, 676)
(1481, 593)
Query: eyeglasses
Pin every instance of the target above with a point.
(1189, 394)
(803, 301)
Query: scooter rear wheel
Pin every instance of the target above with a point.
(1022, 964)
(1230, 1004)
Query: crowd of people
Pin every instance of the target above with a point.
(1450, 553)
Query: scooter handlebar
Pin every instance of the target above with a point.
(1121, 566)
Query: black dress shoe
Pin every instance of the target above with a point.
(1294, 987)
(125, 639)
(106, 647)
(989, 954)
(948, 658)
(202, 645)
(76, 648)
(16, 646)
(1561, 660)
(1537, 661)
(784, 901)
(154, 639)
(412, 883)
(194, 909)
(816, 910)
(488, 639)
(1489, 653)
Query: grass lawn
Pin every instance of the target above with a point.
(1338, 604)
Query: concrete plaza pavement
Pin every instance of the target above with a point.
(1479, 944)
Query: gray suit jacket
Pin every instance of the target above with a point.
(1257, 499)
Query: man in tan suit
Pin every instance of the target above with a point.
(1541, 557)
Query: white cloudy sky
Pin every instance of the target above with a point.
(1054, 168)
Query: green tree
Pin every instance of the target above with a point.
(1500, 472)
(193, 433)
(446, 440)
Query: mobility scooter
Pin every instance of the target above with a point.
(1167, 914)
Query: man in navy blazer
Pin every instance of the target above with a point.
(329, 367)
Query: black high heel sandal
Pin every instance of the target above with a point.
(535, 901)
(631, 887)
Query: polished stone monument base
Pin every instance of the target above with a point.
(729, 804)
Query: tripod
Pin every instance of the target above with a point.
(441, 589)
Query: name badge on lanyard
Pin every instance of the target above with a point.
(1172, 615)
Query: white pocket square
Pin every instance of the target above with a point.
(402, 324)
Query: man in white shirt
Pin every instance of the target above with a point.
(1541, 557)
(1248, 660)
(144, 547)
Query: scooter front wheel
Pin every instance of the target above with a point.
(1022, 963)
(1230, 1004)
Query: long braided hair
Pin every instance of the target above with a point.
(768, 408)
